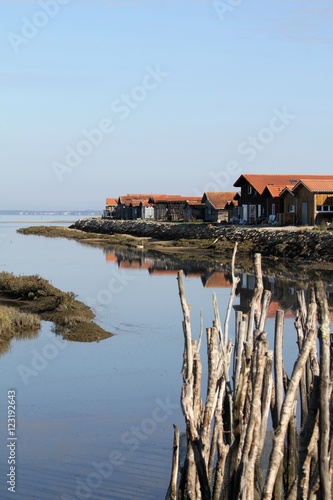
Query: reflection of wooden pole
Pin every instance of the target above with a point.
(175, 464)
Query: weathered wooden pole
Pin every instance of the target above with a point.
(286, 412)
(325, 391)
(278, 362)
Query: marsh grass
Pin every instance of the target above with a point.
(32, 299)
(14, 322)
(25, 287)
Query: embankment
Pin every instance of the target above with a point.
(303, 244)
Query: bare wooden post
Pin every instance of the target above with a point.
(252, 440)
(226, 434)
(287, 407)
(239, 347)
(292, 451)
(264, 310)
(325, 391)
(256, 299)
(188, 360)
(278, 362)
(235, 281)
(308, 448)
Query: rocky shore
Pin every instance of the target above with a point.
(303, 244)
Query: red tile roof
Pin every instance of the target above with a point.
(316, 185)
(260, 181)
(171, 198)
(111, 202)
(276, 190)
(147, 199)
(219, 200)
(135, 198)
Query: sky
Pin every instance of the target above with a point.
(100, 98)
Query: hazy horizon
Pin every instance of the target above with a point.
(112, 97)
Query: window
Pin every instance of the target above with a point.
(324, 208)
(273, 208)
(291, 209)
(249, 189)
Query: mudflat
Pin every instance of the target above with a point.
(36, 299)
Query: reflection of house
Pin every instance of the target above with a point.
(216, 279)
(309, 202)
(269, 197)
(218, 205)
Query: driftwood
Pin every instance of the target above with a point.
(227, 433)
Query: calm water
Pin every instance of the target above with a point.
(95, 420)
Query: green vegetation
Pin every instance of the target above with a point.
(61, 232)
(14, 323)
(82, 236)
(33, 298)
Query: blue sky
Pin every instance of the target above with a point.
(107, 97)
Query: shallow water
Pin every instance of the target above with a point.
(95, 420)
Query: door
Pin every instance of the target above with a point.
(253, 213)
(304, 212)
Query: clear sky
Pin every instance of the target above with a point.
(106, 97)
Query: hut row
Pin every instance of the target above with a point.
(301, 199)
(211, 207)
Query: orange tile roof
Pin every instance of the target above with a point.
(276, 190)
(111, 201)
(219, 200)
(317, 185)
(174, 199)
(260, 181)
(134, 199)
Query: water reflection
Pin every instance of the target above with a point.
(23, 335)
(282, 284)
